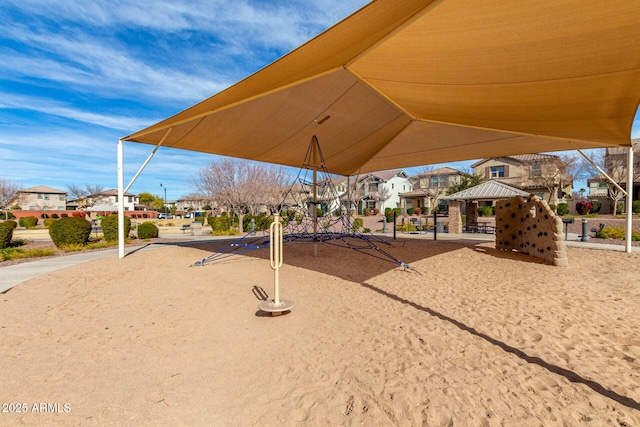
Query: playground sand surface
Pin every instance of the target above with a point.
(473, 336)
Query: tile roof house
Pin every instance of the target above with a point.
(430, 187)
(537, 174)
(41, 198)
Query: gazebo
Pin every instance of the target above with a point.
(490, 190)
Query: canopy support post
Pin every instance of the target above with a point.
(629, 199)
(122, 189)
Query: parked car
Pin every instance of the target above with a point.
(165, 216)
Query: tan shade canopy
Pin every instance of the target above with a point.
(415, 82)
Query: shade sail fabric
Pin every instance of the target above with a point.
(416, 82)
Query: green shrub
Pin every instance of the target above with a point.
(485, 211)
(147, 230)
(595, 207)
(6, 233)
(410, 211)
(563, 209)
(48, 222)
(110, 227)
(220, 223)
(635, 207)
(319, 212)
(388, 213)
(6, 215)
(337, 212)
(425, 210)
(28, 221)
(12, 223)
(70, 231)
(358, 223)
(617, 233)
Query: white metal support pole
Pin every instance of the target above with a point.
(629, 199)
(120, 199)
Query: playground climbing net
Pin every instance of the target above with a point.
(309, 217)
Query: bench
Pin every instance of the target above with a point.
(185, 227)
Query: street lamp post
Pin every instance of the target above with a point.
(165, 198)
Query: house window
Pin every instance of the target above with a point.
(443, 181)
(536, 170)
(32, 208)
(60, 208)
(434, 181)
(130, 199)
(392, 185)
(60, 197)
(39, 195)
(373, 187)
(497, 171)
(46, 197)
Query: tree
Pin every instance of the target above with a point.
(8, 192)
(85, 195)
(154, 203)
(467, 180)
(613, 161)
(555, 175)
(241, 185)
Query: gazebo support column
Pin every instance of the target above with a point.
(455, 217)
(472, 212)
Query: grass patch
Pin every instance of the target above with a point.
(9, 254)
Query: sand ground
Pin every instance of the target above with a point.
(471, 336)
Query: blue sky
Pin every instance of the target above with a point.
(77, 75)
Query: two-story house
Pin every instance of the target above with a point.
(540, 174)
(380, 190)
(429, 188)
(41, 198)
(110, 197)
(193, 203)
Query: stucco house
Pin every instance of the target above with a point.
(430, 187)
(41, 198)
(110, 197)
(538, 174)
(380, 190)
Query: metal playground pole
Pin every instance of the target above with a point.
(276, 306)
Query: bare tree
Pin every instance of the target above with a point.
(241, 185)
(614, 162)
(554, 176)
(83, 194)
(274, 179)
(8, 192)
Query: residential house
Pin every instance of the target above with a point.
(41, 198)
(192, 203)
(539, 174)
(380, 190)
(430, 187)
(110, 197)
